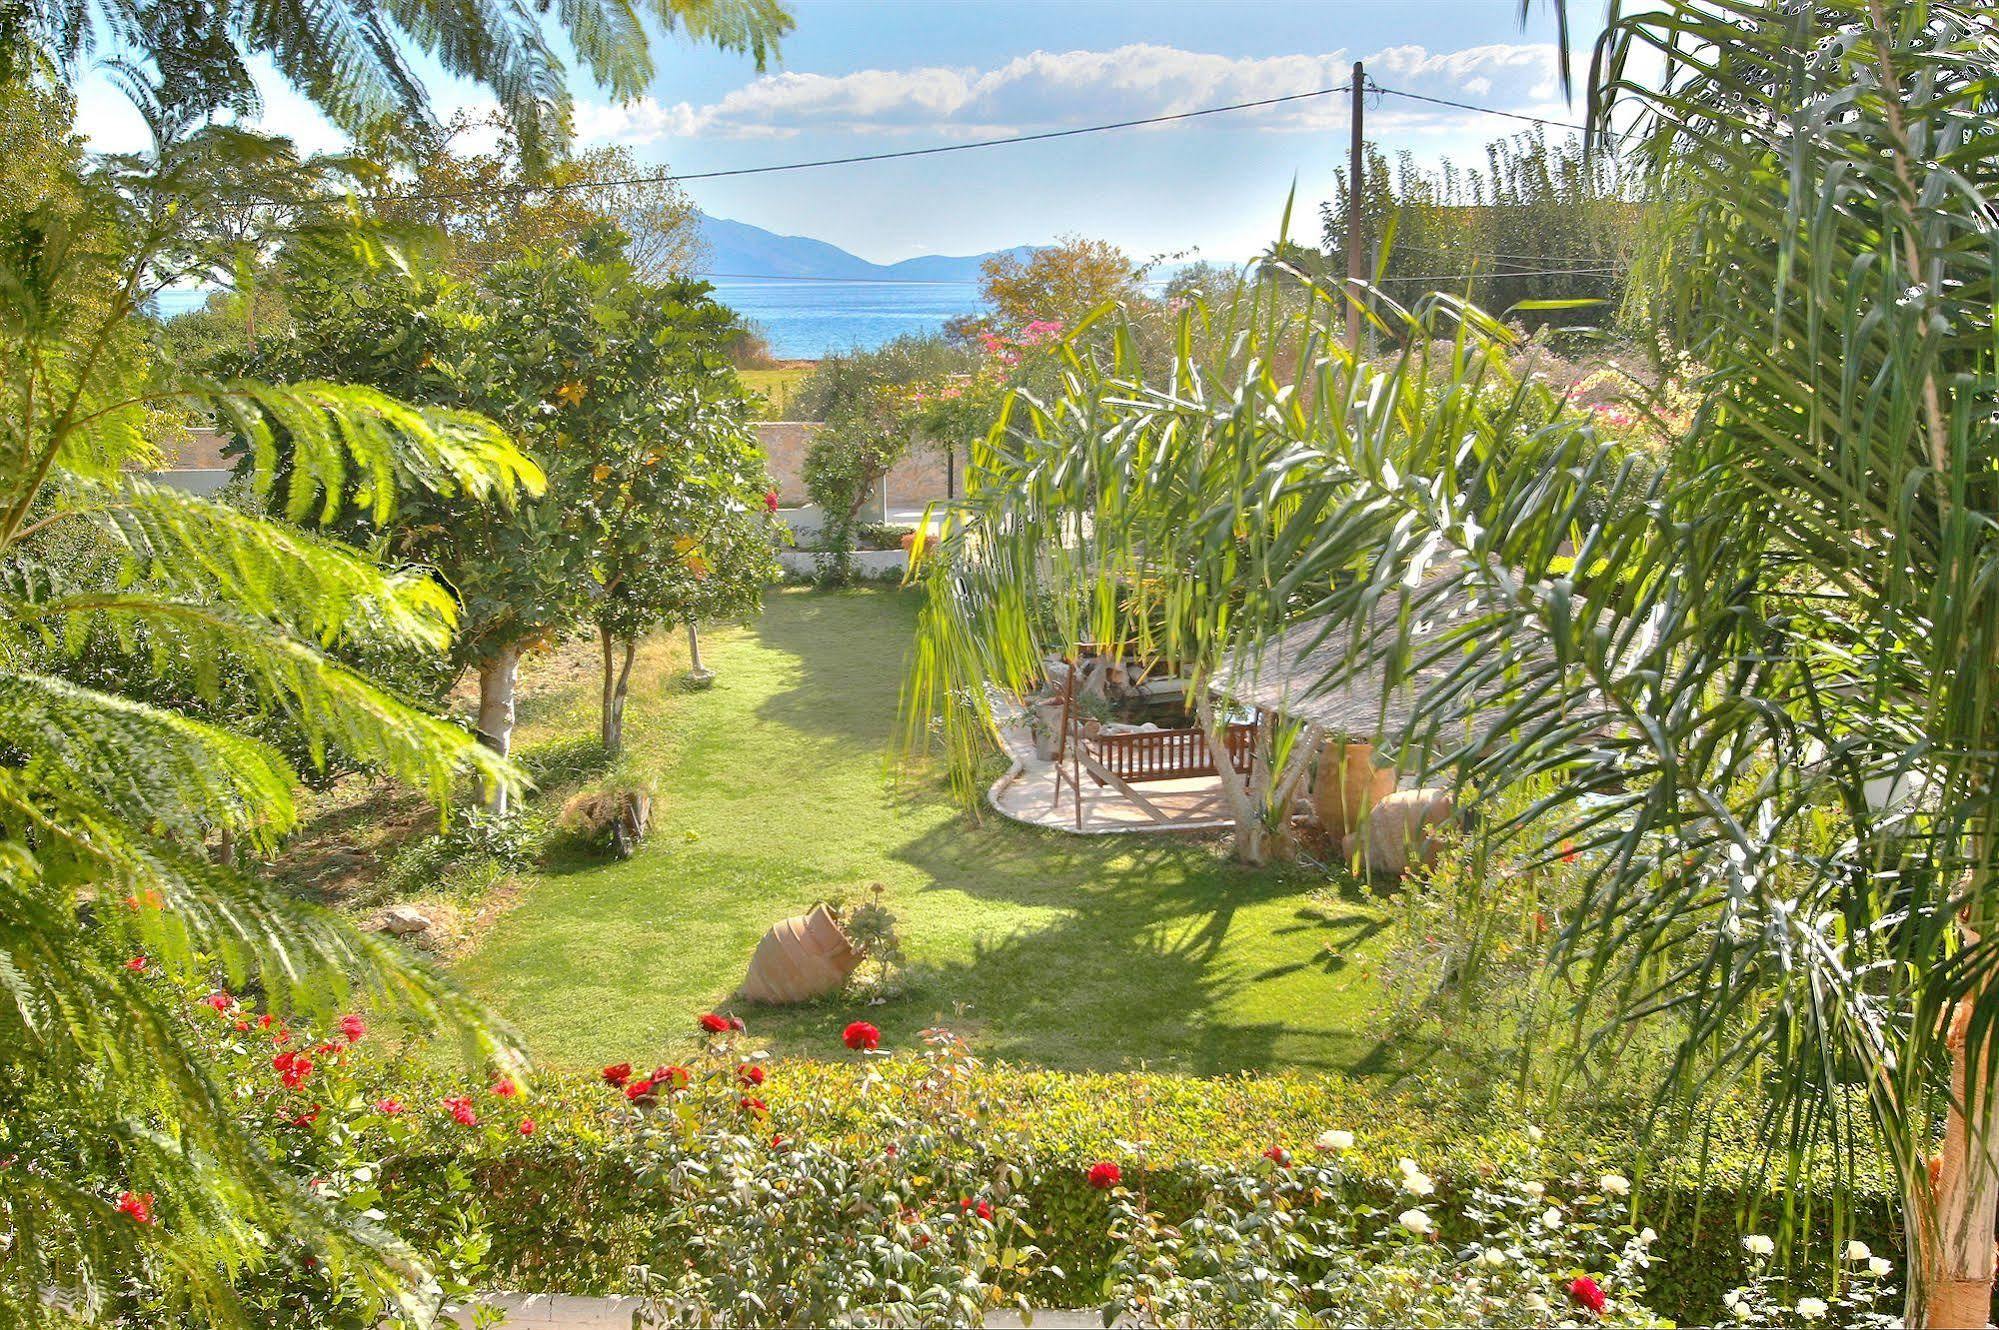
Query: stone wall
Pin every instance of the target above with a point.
(915, 481)
(201, 450)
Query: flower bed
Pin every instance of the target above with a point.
(730, 1182)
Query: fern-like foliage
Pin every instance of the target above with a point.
(111, 803)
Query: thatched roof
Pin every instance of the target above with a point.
(1288, 675)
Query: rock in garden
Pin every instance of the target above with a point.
(403, 920)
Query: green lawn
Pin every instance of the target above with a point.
(776, 789)
(777, 385)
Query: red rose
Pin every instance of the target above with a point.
(617, 1074)
(461, 1110)
(389, 1107)
(1585, 1291)
(353, 1027)
(1278, 1155)
(136, 964)
(777, 1142)
(981, 1207)
(861, 1035)
(673, 1079)
(750, 1073)
(505, 1087)
(219, 1001)
(752, 1104)
(1104, 1175)
(137, 1207)
(640, 1092)
(714, 1024)
(527, 1126)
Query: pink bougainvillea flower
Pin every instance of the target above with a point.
(353, 1027)
(461, 1110)
(527, 1126)
(1104, 1175)
(617, 1074)
(861, 1035)
(750, 1073)
(389, 1107)
(136, 1206)
(713, 1023)
(219, 1001)
(1588, 1294)
(505, 1088)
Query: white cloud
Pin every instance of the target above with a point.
(1052, 90)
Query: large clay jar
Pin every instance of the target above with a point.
(801, 958)
(1401, 831)
(1346, 785)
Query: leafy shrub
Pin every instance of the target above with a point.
(469, 856)
(724, 1186)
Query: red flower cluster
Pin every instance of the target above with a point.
(1278, 1155)
(981, 1207)
(672, 1078)
(1588, 1294)
(751, 1104)
(136, 964)
(292, 1068)
(505, 1088)
(461, 1110)
(713, 1023)
(219, 1001)
(750, 1073)
(861, 1035)
(617, 1074)
(1104, 1175)
(527, 1126)
(353, 1027)
(641, 1092)
(136, 1206)
(770, 501)
(389, 1107)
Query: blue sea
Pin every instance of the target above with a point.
(804, 319)
(808, 319)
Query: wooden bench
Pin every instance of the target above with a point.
(1167, 754)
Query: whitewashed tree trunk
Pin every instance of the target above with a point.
(694, 650)
(498, 675)
(1966, 1191)
(1235, 792)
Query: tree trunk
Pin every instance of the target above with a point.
(1966, 1191)
(617, 682)
(497, 675)
(694, 651)
(1235, 791)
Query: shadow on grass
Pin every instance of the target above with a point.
(850, 647)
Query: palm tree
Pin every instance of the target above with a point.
(352, 58)
(1752, 677)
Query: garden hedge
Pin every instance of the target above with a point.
(564, 1216)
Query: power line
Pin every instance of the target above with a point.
(1482, 110)
(677, 178)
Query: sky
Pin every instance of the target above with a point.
(862, 76)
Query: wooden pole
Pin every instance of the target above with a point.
(1356, 199)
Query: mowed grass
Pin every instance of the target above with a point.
(776, 789)
(777, 385)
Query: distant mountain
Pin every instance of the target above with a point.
(739, 249)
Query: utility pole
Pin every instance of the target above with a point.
(1356, 264)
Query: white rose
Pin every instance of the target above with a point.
(1858, 1251)
(1759, 1244)
(1330, 1141)
(1551, 1217)
(1878, 1265)
(1407, 1167)
(1415, 1221)
(1418, 1184)
(1730, 1298)
(1614, 1184)
(1649, 1236)
(1493, 1256)
(1533, 1189)
(1812, 1309)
